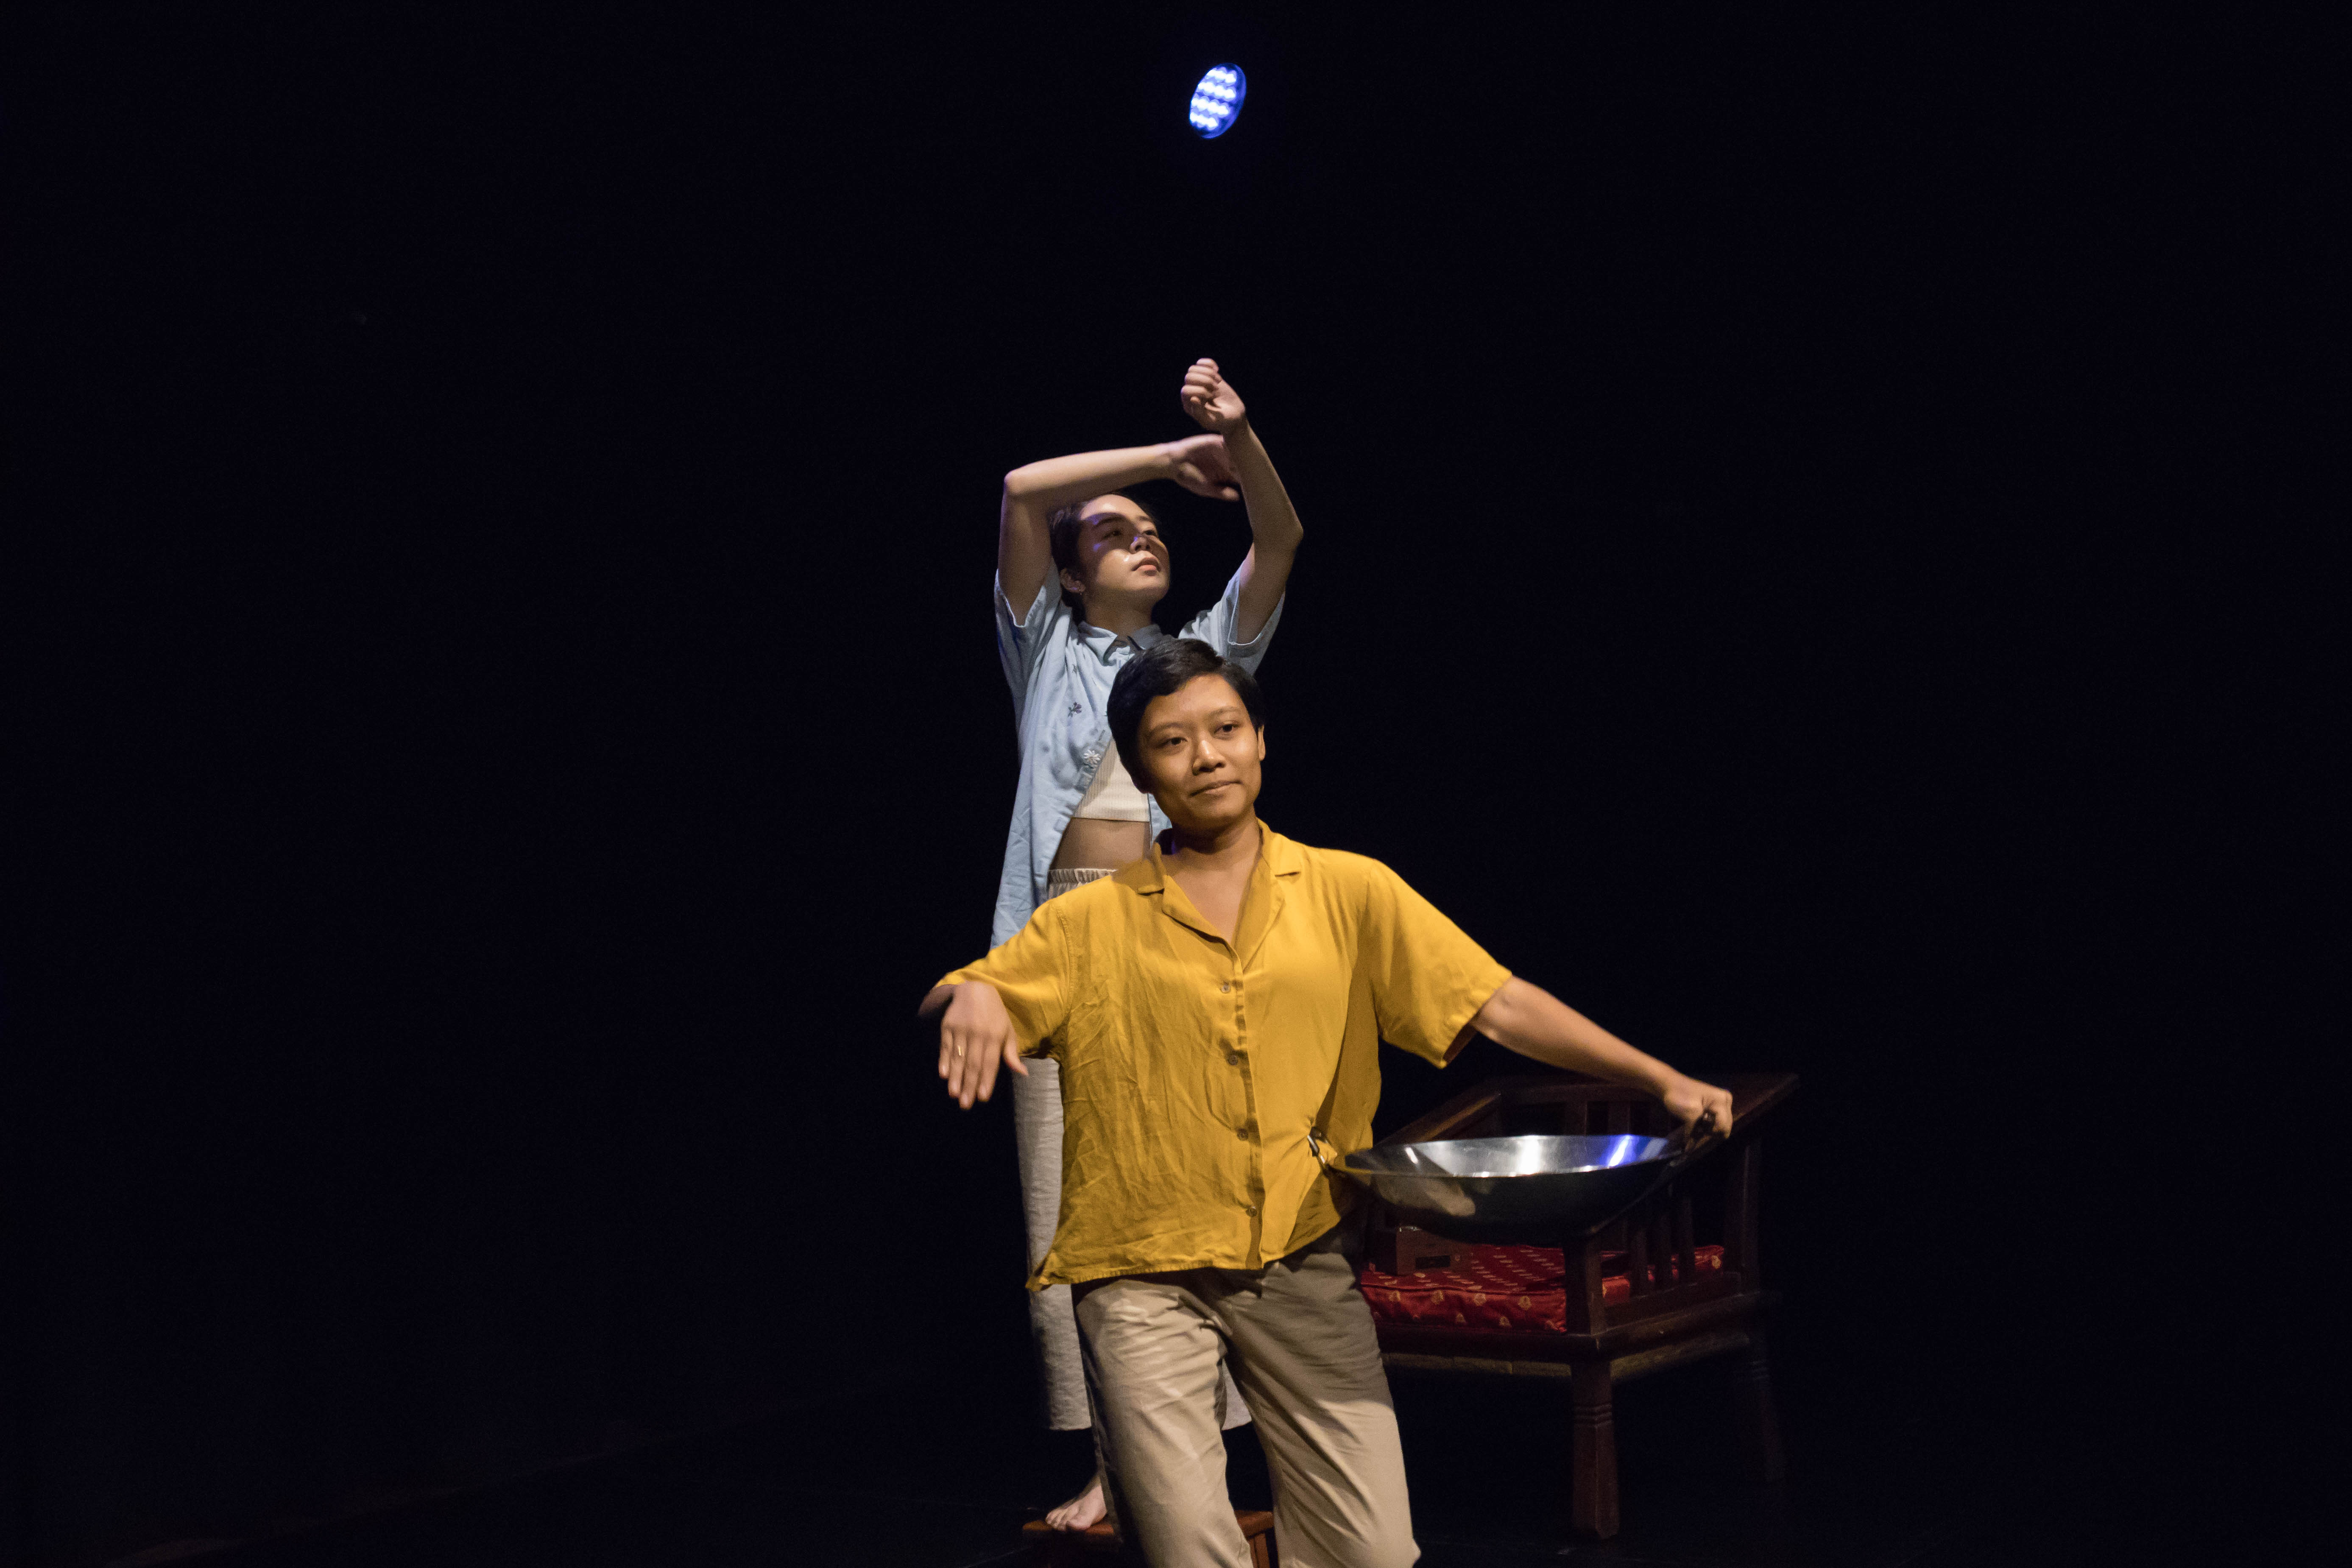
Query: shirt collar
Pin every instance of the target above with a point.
(1102, 644)
(1277, 861)
(1279, 856)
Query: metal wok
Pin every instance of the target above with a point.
(1530, 1188)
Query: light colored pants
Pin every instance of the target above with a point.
(1038, 1130)
(1298, 1339)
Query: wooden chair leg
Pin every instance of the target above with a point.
(1592, 1452)
(1751, 1396)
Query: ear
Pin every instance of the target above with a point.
(1261, 742)
(1073, 584)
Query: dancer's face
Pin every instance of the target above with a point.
(1121, 552)
(1203, 754)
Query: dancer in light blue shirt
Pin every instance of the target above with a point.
(1079, 569)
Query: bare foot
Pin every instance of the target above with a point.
(1083, 1511)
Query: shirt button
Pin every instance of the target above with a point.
(1249, 1208)
(1232, 1058)
(1224, 987)
(1241, 1132)
(1093, 757)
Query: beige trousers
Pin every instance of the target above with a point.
(1297, 1338)
(1038, 1136)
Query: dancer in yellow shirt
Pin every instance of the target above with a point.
(1208, 1006)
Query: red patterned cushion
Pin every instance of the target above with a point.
(1504, 1288)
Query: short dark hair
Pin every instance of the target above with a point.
(1160, 670)
(1062, 531)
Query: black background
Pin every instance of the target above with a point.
(510, 512)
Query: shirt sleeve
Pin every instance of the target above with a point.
(1021, 643)
(1028, 973)
(1215, 626)
(1428, 978)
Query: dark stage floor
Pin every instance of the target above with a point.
(931, 1470)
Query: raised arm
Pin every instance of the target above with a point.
(1025, 549)
(1275, 529)
(1535, 1023)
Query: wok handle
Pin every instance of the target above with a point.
(1685, 1144)
(1315, 1142)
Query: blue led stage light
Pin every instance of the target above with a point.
(1217, 102)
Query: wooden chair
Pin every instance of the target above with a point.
(1673, 1312)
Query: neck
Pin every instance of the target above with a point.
(1119, 620)
(1236, 841)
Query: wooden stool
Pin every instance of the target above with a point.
(1054, 1548)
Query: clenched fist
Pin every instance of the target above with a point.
(1700, 1107)
(1211, 399)
(1199, 463)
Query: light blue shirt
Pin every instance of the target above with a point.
(1060, 669)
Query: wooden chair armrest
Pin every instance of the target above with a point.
(1753, 1094)
(1476, 1109)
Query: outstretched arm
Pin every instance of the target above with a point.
(1275, 530)
(1024, 550)
(1535, 1023)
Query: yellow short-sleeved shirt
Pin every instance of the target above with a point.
(1191, 1069)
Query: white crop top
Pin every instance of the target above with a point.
(1113, 797)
